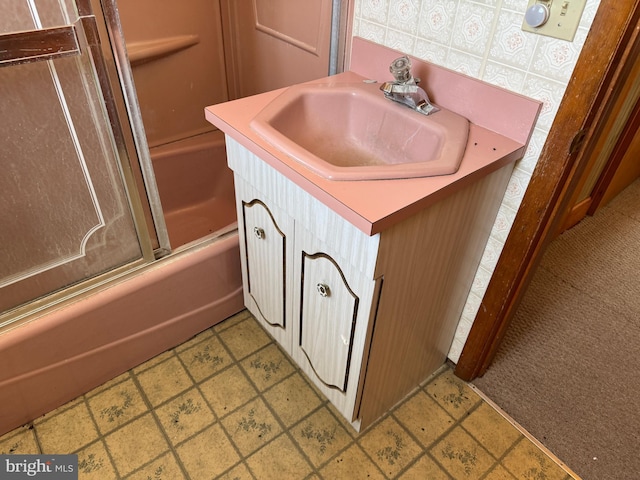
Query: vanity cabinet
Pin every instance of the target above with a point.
(308, 276)
(364, 283)
(366, 317)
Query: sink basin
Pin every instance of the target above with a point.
(351, 132)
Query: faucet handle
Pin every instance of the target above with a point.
(400, 68)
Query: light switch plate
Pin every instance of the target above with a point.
(564, 18)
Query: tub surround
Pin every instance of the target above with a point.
(501, 124)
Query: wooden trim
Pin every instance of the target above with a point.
(625, 140)
(573, 217)
(37, 45)
(553, 181)
(604, 139)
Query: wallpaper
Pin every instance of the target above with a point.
(482, 39)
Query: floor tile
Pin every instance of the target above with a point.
(353, 464)
(232, 321)
(292, 399)
(19, 441)
(136, 444)
(229, 404)
(462, 456)
(499, 473)
(94, 463)
(208, 454)
(67, 431)
(63, 408)
(109, 384)
(424, 418)
(202, 336)
(228, 390)
(244, 338)
(452, 394)
(164, 467)
(153, 361)
(320, 436)
(278, 460)
(267, 367)
(251, 426)
(343, 421)
(184, 416)
(390, 446)
(491, 429)
(528, 461)
(424, 468)
(205, 358)
(117, 405)
(164, 381)
(239, 472)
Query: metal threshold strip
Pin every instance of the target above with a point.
(37, 45)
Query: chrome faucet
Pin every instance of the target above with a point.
(405, 88)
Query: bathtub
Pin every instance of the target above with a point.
(197, 204)
(67, 352)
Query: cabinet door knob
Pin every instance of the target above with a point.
(323, 290)
(258, 232)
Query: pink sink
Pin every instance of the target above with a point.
(351, 132)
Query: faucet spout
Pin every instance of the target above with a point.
(405, 90)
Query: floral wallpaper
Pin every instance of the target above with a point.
(482, 39)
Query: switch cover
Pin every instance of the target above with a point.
(553, 18)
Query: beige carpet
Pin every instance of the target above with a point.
(568, 369)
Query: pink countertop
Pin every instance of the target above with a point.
(373, 205)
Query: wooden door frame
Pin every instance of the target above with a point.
(626, 138)
(562, 161)
(613, 139)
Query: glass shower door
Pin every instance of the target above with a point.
(66, 209)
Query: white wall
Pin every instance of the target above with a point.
(483, 39)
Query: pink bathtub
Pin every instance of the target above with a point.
(61, 355)
(196, 187)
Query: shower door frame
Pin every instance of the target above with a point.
(86, 36)
(118, 77)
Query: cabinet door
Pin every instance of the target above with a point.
(265, 242)
(332, 307)
(328, 311)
